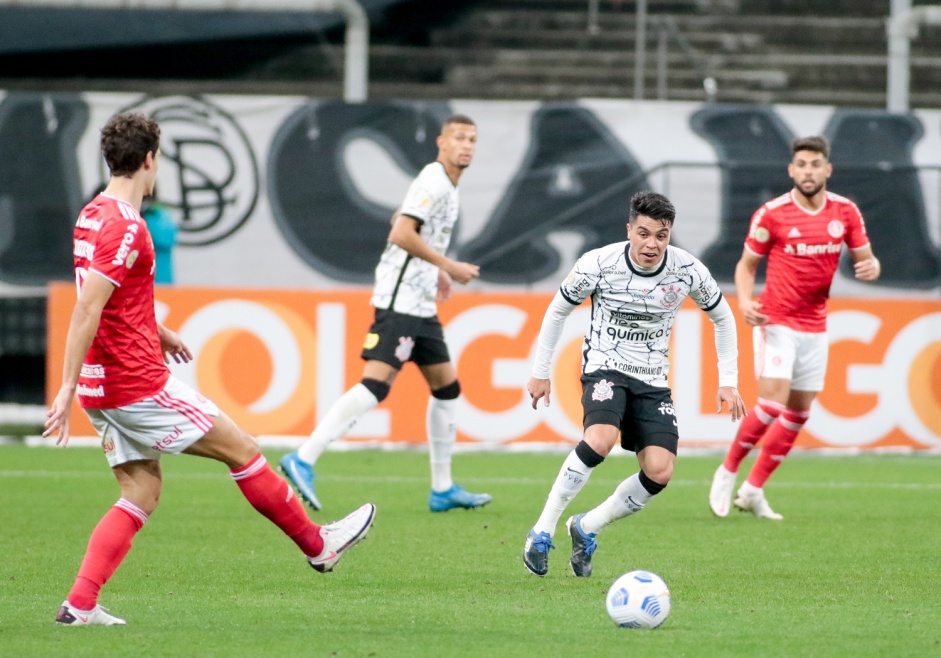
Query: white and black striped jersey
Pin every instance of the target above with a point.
(406, 284)
(632, 310)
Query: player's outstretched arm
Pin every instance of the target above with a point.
(94, 293)
(728, 395)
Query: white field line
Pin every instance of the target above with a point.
(276, 442)
(525, 481)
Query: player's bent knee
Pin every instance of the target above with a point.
(656, 481)
(450, 392)
(146, 498)
(659, 473)
(379, 389)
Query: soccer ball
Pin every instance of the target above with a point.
(638, 599)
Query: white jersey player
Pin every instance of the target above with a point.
(633, 310)
(636, 288)
(404, 283)
(412, 276)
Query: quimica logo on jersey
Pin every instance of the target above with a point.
(275, 361)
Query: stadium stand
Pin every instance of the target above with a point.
(761, 51)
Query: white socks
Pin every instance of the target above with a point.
(441, 437)
(570, 480)
(629, 497)
(344, 413)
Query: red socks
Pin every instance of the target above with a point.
(750, 431)
(778, 442)
(111, 539)
(274, 498)
(109, 543)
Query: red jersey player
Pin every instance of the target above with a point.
(802, 234)
(115, 361)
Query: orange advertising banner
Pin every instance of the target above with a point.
(276, 360)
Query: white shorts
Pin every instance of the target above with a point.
(169, 422)
(799, 356)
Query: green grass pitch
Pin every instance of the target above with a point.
(853, 570)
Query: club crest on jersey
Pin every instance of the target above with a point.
(404, 351)
(603, 391)
(371, 341)
(671, 296)
(835, 228)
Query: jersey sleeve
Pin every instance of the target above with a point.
(760, 232)
(704, 289)
(117, 248)
(422, 195)
(582, 280)
(856, 236)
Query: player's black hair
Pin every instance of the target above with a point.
(126, 140)
(462, 119)
(652, 205)
(815, 143)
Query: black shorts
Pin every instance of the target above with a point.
(644, 413)
(396, 338)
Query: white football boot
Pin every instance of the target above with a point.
(69, 615)
(752, 499)
(342, 535)
(720, 495)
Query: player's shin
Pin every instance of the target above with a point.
(441, 437)
(344, 413)
(631, 496)
(778, 442)
(572, 477)
(750, 432)
(107, 547)
(275, 500)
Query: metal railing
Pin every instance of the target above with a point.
(664, 170)
(356, 45)
(667, 31)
